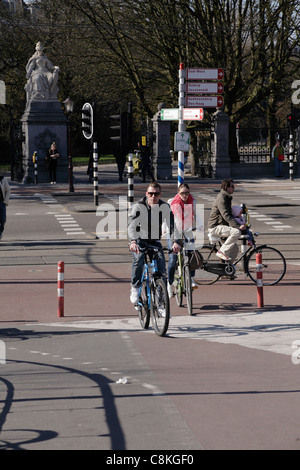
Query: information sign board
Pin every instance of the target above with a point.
(204, 101)
(204, 74)
(182, 141)
(169, 114)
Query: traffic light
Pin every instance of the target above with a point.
(293, 119)
(120, 128)
(87, 120)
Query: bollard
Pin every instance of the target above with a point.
(34, 159)
(130, 181)
(95, 172)
(259, 280)
(291, 157)
(60, 288)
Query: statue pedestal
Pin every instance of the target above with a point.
(44, 122)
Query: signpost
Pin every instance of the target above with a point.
(214, 88)
(204, 74)
(189, 114)
(169, 114)
(208, 95)
(204, 101)
(182, 141)
(193, 114)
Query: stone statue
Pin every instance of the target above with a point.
(42, 77)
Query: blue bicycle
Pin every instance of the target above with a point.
(153, 295)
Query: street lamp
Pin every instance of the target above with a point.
(69, 105)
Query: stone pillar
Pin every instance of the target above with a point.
(161, 148)
(221, 160)
(44, 122)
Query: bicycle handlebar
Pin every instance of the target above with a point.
(153, 248)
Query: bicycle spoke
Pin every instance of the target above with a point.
(202, 276)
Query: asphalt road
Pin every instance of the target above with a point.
(227, 378)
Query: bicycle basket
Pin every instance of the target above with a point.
(196, 260)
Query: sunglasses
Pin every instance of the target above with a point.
(185, 192)
(153, 194)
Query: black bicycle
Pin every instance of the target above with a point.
(153, 295)
(183, 280)
(273, 264)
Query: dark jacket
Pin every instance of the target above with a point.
(221, 212)
(145, 223)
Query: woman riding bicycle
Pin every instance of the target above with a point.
(183, 208)
(145, 224)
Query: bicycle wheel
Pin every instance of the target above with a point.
(273, 262)
(202, 276)
(160, 307)
(178, 285)
(188, 289)
(144, 311)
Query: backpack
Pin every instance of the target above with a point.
(196, 260)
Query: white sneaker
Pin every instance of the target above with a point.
(170, 290)
(222, 255)
(134, 294)
(194, 284)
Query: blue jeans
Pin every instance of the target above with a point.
(2, 217)
(172, 263)
(138, 266)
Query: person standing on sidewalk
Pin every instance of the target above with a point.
(278, 157)
(53, 156)
(221, 222)
(4, 198)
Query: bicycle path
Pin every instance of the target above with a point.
(101, 291)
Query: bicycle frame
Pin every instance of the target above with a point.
(150, 270)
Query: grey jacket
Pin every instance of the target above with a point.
(146, 224)
(221, 212)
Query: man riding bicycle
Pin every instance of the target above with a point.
(145, 226)
(221, 222)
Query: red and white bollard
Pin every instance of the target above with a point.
(60, 288)
(259, 280)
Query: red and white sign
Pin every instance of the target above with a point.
(211, 88)
(204, 101)
(204, 74)
(193, 114)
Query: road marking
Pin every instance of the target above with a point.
(271, 331)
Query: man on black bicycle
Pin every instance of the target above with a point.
(145, 226)
(221, 222)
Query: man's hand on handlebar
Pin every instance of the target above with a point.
(176, 247)
(134, 247)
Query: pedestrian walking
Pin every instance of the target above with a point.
(4, 198)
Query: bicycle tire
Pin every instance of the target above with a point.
(144, 311)
(160, 307)
(178, 286)
(273, 262)
(188, 289)
(203, 277)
